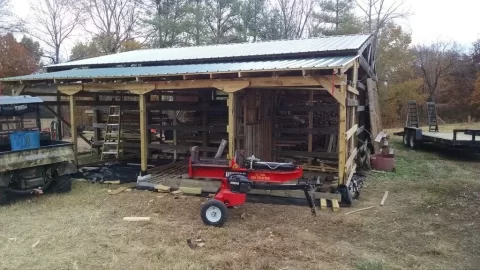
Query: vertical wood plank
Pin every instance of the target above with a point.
(143, 132)
(342, 129)
(73, 127)
(310, 125)
(231, 124)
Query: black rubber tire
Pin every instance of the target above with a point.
(4, 196)
(223, 213)
(347, 198)
(62, 184)
(406, 139)
(412, 144)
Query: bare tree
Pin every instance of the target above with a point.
(378, 13)
(8, 21)
(295, 15)
(435, 61)
(113, 21)
(54, 22)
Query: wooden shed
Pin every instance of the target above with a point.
(304, 100)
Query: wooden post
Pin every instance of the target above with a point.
(310, 125)
(73, 128)
(143, 133)
(231, 125)
(97, 119)
(342, 129)
(60, 124)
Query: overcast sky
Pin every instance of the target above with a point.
(431, 20)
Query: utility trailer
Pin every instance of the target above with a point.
(30, 161)
(414, 136)
(460, 139)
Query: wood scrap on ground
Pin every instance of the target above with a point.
(112, 182)
(384, 198)
(136, 218)
(358, 210)
(191, 190)
(118, 190)
(162, 188)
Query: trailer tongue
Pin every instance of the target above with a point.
(239, 176)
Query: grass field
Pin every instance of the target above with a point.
(430, 221)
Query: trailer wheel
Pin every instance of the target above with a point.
(62, 184)
(214, 213)
(4, 196)
(411, 142)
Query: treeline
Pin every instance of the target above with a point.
(442, 71)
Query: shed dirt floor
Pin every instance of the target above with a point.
(430, 220)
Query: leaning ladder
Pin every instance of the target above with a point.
(432, 117)
(112, 141)
(412, 114)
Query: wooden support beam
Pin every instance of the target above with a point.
(361, 86)
(352, 102)
(17, 90)
(355, 75)
(353, 90)
(342, 128)
(337, 93)
(351, 131)
(348, 66)
(52, 111)
(73, 128)
(350, 174)
(231, 124)
(350, 160)
(310, 126)
(70, 90)
(96, 119)
(143, 133)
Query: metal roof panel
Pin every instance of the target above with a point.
(13, 100)
(268, 48)
(152, 71)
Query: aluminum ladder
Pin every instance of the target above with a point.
(432, 117)
(412, 114)
(112, 141)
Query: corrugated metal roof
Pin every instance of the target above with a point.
(350, 44)
(151, 71)
(12, 100)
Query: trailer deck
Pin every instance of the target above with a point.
(465, 139)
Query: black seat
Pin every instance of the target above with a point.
(273, 166)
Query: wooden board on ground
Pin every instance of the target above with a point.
(162, 188)
(323, 204)
(191, 190)
(374, 105)
(136, 218)
(112, 182)
(118, 190)
(335, 206)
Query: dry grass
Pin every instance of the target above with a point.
(430, 221)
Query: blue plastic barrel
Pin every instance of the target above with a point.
(23, 140)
